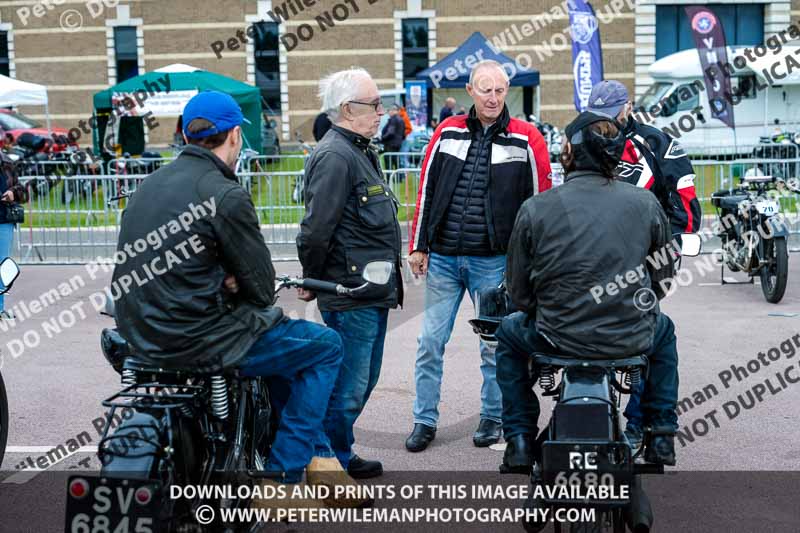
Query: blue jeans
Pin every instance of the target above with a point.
(447, 279)
(363, 332)
(517, 341)
(663, 390)
(308, 355)
(6, 236)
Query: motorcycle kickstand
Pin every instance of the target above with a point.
(722, 281)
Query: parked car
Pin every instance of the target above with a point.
(15, 124)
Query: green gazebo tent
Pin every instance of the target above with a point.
(180, 78)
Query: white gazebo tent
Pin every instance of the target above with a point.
(16, 92)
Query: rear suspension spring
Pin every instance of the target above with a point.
(219, 397)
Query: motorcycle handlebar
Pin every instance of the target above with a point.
(309, 284)
(316, 285)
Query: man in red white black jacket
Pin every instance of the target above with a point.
(653, 160)
(478, 170)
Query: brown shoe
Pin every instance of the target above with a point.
(328, 471)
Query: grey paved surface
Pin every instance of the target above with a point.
(55, 389)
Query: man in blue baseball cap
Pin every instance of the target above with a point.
(655, 161)
(213, 120)
(211, 306)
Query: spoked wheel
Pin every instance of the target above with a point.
(774, 274)
(3, 419)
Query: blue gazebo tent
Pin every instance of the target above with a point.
(475, 47)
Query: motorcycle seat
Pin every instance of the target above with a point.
(585, 361)
(138, 364)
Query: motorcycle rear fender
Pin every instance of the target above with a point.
(584, 409)
(130, 452)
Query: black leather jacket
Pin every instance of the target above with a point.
(350, 220)
(577, 261)
(181, 316)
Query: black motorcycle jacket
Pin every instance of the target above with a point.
(350, 220)
(577, 263)
(188, 225)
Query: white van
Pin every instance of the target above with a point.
(766, 104)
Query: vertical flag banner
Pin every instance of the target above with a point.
(587, 56)
(709, 38)
(417, 104)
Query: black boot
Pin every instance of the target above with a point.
(661, 450)
(518, 458)
(420, 437)
(359, 468)
(488, 433)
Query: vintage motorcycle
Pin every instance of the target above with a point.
(176, 427)
(754, 235)
(9, 271)
(584, 444)
(552, 137)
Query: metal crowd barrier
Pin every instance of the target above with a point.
(69, 219)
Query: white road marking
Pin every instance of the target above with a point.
(40, 449)
(729, 280)
(22, 476)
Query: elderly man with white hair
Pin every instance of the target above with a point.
(351, 220)
(477, 172)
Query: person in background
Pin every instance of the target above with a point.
(448, 109)
(177, 137)
(406, 120)
(351, 220)
(321, 126)
(462, 111)
(10, 192)
(655, 161)
(392, 136)
(477, 172)
(434, 123)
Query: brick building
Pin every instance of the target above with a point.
(391, 38)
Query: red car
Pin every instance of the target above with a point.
(15, 124)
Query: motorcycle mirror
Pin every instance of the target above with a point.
(9, 271)
(690, 244)
(378, 272)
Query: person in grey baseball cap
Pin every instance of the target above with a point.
(653, 160)
(610, 98)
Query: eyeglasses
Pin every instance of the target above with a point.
(375, 105)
